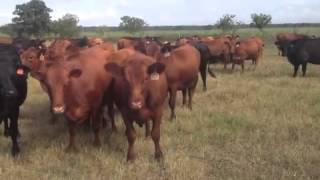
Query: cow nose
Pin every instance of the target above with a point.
(136, 105)
(58, 109)
(10, 94)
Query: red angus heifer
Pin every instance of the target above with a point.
(77, 88)
(140, 90)
(182, 67)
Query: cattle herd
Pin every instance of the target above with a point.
(84, 77)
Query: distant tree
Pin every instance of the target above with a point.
(67, 26)
(7, 29)
(260, 21)
(31, 19)
(228, 23)
(132, 24)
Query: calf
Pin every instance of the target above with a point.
(140, 90)
(302, 52)
(13, 91)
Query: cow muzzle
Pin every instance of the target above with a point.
(58, 109)
(136, 105)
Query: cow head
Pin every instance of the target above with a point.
(56, 77)
(31, 57)
(288, 48)
(137, 75)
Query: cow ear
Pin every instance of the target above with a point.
(75, 73)
(114, 69)
(156, 68)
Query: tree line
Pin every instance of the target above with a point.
(32, 19)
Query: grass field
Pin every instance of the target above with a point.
(268, 34)
(260, 124)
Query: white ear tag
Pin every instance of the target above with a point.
(41, 58)
(155, 76)
(238, 45)
(167, 54)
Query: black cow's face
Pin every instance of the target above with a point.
(288, 49)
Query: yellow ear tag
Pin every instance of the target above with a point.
(155, 76)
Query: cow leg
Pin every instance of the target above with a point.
(304, 69)
(96, 123)
(131, 136)
(233, 66)
(71, 147)
(296, 67)
(211, 72)
(156, 133)
(242, 66)
(203, 73)
(111, 116)
(172, 103)
(6, 127)
(184, 97)
(147, 133)
(191, 93)
(14, 131)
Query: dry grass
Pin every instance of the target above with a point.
(260, 124)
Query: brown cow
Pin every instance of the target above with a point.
(140, 90)
(284, 38)
(246, 50)
(182, 67)
(78, 88)
(260, 42)
(132, 42)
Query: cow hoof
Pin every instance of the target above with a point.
(15, 151)
(71, 149)
(158, 156)
(173, 117)
(131, 157)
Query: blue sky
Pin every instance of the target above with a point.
(174, 12)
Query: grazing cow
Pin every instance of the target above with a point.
(283, 38)
(302, 52)
(140, 90)
(13, 92)
(182, 67)
(248, 49)
(78, 88)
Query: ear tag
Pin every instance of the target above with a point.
(41, 58)
(238, 45)
(20, 72)
(167, 54)
(155, 76)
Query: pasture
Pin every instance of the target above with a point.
(260, 124)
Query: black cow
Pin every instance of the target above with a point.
(301, 52)
(13, 91)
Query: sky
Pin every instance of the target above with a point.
(174, 12)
